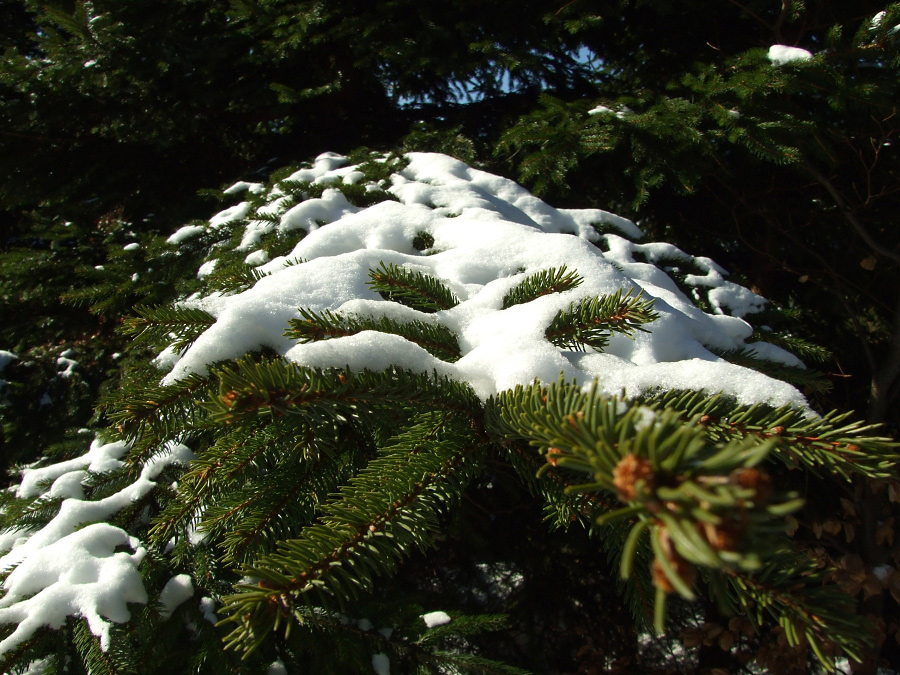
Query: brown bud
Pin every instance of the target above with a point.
(660, 580)
(683, 569)
(756, 480)
(628, 472)
(725, 536)
(832, 526)
(552, 456)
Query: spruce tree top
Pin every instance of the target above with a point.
(361, 347)
(477, 239)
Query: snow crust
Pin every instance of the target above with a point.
(489, 234)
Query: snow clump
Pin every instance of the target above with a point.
(780, 55)
(485, 235)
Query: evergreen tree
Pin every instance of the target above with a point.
(777, 162)
(356, 487)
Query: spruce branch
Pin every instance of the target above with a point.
(793, 591)
(800, 347)
(236, 489)
(150, 415)
(592, 321)
(565, 508)
(819, 444)
(433, 338)
(702, 503)
(329, 642)
(235, 278)
(164, 325)
(29, 514)
(552, 280)
(95, 658)
(276, 505)
(413, 289)
(812, 380)
(385, 511)
(277, 388)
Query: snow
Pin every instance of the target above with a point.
(622, 113)
(489, 234)
(185, 233)
(133, 246)
(207, 268)
(207, 608)
(381, 664)
(6, 358)
(244, 186)
(434, 619)
(230, 214)
(100, 458)
(177, 590)
(770, 352)
(61, 570)
(82, 575)
(256, 258)
(67, 365)
(780, 55)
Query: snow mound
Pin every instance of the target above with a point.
(779, 55)
(483, 236)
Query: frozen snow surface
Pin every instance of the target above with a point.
(488, 234)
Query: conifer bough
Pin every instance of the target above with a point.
(355, 355)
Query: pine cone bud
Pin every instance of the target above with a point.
(683, 569)
(628, 472)
(552, 456)
(756, 480)
(726, 536)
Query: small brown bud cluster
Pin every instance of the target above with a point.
(685, 570)
(756, 480)
(629, 472)
(553, 456)
(724, 536)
